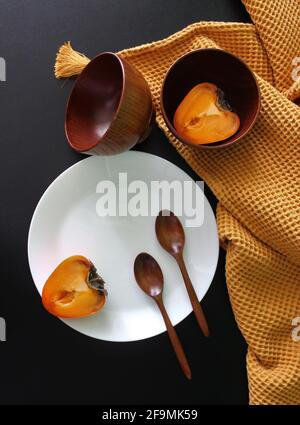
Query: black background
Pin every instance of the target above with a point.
(44, 361)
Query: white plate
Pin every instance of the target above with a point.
(66, 223)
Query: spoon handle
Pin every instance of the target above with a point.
(174, 339)
(193, 296)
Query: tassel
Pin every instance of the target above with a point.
(69, 62)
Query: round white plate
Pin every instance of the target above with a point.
(66, 223)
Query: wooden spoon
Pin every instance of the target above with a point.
(149, 277)
(170, 234)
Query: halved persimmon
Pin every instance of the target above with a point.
(203, 116)
(74, 289)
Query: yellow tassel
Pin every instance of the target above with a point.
(69, 62)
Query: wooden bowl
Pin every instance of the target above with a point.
(110, 108)
(226, 71)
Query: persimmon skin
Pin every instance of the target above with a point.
(67, 293)
(202, 118)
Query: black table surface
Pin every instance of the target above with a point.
(43, 360)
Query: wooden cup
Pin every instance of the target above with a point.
(226, 71)
(110, 108)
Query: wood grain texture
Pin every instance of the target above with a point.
(110, 108)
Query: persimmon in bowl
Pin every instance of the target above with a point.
(218, 77)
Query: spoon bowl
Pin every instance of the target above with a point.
(170, 232)
(148, 274)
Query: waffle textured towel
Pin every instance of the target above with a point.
(257, 183)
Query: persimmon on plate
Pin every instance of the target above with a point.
(204, 116)
(74, 289)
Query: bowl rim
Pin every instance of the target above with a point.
(77, 82)
(222, 143)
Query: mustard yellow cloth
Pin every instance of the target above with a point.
(257, 183)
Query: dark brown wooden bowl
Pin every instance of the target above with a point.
(110, 107)
(226, 71)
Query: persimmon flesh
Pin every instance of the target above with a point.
(74, 289)
(203, 116)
